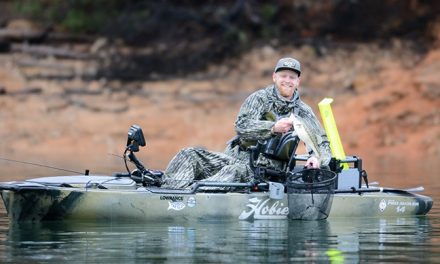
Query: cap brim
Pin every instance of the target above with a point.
(287, 68)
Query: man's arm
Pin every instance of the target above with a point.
(249, 125)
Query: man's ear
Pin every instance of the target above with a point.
(274, 76)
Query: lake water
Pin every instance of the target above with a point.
(356, 240)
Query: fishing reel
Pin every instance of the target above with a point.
(147, 177)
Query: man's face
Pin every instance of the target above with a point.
(286, 81)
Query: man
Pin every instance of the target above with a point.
(264, 114)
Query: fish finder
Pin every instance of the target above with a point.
(135, 138)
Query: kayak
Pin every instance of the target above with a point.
(136, 196)
(109, 198)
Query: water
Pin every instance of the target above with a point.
(329, 241)
(356, 240)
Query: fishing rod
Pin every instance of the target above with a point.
(44, 166)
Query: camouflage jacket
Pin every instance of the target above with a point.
(260, 111)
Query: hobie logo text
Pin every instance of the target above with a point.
(265, 209)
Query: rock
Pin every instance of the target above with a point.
(430, 91)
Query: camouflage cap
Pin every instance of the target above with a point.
(288, 64)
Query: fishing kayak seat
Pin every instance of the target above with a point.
(280, 147)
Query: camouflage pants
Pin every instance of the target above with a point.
(197, 164)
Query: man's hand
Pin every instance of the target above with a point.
(283, 125)
(312, 163)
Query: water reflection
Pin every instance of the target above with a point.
(382, 240)
(308, 240)
(328, 241)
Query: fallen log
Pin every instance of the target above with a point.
(50, 51)
(22, 35)
(28, 63)
(70, 37)
(24, 91)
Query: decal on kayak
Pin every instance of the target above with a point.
(382, 205)
(177, 206)
(265, 209)
(172, 198)
(191, 202)
(400, 205)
